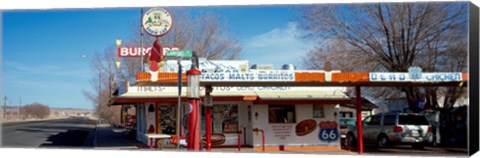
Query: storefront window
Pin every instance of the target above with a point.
(318, 111)
(281, 114)
(167, 119)
(225, 118)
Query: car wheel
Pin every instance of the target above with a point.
(418, 146)
(383, 141)
(351, 139)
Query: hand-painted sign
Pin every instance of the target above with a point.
(136, 51)
(328, 131)
(282, 131)
(406, 77)
(252, 76)
(171, 89)
(157, 21)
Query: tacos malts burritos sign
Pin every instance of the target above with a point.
(157, 21)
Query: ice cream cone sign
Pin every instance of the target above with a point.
(155, 59)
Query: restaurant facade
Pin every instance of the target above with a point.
(262, 117)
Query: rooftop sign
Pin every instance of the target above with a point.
(408, 77)
(249, 76)
(157, 21)
(138, 51)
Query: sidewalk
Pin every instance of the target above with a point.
(319, 152)
(107, 137)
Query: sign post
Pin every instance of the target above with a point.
(158, 22)
(179, 100)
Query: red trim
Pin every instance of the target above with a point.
(231, 146)
(294, 102)
(172, 100)
(144, 100)
(194, 72)
(156, 119)
(119, 101)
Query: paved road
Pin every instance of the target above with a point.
(405, 150)
(70, 133)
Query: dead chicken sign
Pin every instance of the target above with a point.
(157, 21)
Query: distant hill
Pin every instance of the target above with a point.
(53, 110)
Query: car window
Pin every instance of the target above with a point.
(412, 120)
(375, 120)
(347, 122)
(367, 120)
(351, 122)
(389, 120)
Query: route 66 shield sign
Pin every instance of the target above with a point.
(328, 131)
(328, 134)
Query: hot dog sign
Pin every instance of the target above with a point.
(328, 131)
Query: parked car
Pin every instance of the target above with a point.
(344, 124)
(394, 128)
(131, 126)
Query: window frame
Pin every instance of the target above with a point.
(374, 117)
(287, 107)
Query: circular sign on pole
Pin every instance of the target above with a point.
(157, 21)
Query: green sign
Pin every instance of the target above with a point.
(176, 53)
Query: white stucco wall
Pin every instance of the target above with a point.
(303, 112)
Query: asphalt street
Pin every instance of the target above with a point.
(62, 133)
(407, 150)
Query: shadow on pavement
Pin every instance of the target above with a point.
(108, 137)
(71, 138)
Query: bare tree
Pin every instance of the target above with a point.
(35, 110)
(390, 37)
(204, 33)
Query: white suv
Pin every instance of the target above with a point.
(394, 128)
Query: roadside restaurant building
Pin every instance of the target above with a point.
(289, 116)
(292, 109)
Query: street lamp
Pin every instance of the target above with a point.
(193, 88)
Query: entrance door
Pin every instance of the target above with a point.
(167, 119)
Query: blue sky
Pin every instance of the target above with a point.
(42, 49)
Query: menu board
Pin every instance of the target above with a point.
(230, 127)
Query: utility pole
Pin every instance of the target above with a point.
(19, 107)
(11, 106)
(5, 107)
